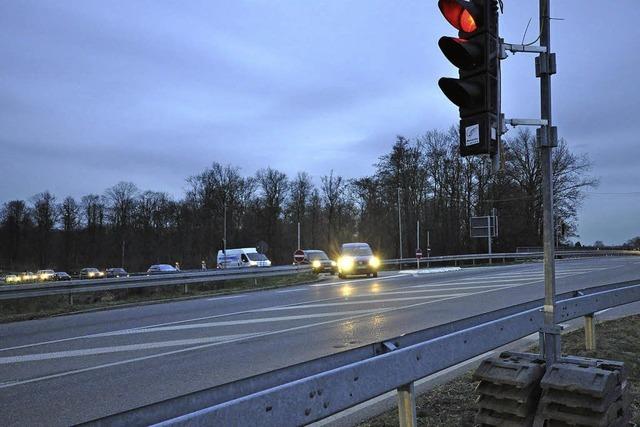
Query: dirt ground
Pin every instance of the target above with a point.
(452, 404)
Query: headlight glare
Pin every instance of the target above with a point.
(374, 262)
(345, 263)
(316, 264)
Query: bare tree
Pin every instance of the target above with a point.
(45, 216)
(332, 193)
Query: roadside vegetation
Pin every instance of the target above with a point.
(453, 403)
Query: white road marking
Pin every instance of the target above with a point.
(439, 290)
(291, 290)
(350, 302)
(377, 279)
(231, 323)
(117, 349)
(229, 297)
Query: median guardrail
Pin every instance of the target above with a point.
(11, 292)
(311, 391)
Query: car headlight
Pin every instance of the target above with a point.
(333, 263)
(316, 264)
(91, 274)
(345, 263)
(374, 262)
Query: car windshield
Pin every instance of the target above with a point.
(357, 251)
(254, 256)
(319, 255)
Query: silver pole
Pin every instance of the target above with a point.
(489, 237)
(418, 241)
(298, 235)
(224, 239)
(399, 223)
(551, 338)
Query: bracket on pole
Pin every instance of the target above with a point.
(526, 122)
(515, 48)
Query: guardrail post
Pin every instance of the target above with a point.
(185, 289)
(589, 332)
(70, 299)
(407, 406)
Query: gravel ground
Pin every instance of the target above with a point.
(452, 404)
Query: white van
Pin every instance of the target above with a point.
(243, 257)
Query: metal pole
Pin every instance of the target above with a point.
(551, 335)
(122, 263)
(298, 235)
(418, 242)
(399, 226)
(224, 239)
(489, 237)
(407, 406)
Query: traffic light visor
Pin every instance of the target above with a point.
(460, 14)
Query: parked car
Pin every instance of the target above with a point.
(11, 279)
(116, 272)
(44, 275)
(319, 261)
(162, 268)
(91, 273)
(242, 257)
(61, 275)
(357, 258)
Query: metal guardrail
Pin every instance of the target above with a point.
(13, 292)
(310, 391)
(509, 255)
(10, 292)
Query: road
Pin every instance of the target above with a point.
(68, 369)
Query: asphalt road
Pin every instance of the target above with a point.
(69, 369)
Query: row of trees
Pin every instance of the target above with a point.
(425, 177)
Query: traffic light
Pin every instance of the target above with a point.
(475, 53)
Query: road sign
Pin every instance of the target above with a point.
(484, 226)
(298, 256)
(418, 253)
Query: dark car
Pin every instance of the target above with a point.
(61, 275)
(319, 261)
(91, 273)
(116, 272)
(162, 268)
(357, 259)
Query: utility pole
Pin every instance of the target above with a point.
(122, 262)
(399, 224)
(298, 235)
(224, 238)
(544, 69)
(418, 240)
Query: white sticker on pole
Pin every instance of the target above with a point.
(472, 134)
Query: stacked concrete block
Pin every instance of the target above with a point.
(509, 389)
(585, 393)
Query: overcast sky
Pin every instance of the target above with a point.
(93, 92)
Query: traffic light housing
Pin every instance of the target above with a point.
(475, 52)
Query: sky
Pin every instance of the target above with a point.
(95, 92)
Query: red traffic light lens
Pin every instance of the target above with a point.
(459, 13)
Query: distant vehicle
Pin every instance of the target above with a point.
(61, 275)
(319, 261)
(11, 279)
(44, 275)
(91, 273)
(27, 276)
(162, 268)
(357, 258)
(116, 272)
(242, 257)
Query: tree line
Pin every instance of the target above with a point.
(424, 177)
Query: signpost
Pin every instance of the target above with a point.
(418, 256)
(485, 226)
(298, 256)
